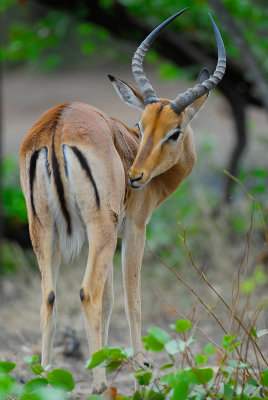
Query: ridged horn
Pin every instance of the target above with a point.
(146, 89)
(192, 94)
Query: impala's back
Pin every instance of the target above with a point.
(71, 173)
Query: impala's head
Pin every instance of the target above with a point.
(163, 122)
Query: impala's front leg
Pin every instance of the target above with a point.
(132, 253)
(102, 244)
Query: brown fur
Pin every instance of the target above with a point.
(113, 153)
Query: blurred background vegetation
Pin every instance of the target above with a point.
(52, 35)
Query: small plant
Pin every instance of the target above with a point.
(53, 385)
(190, 376)
(186, 376)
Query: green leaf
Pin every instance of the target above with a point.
(98, 357)
(201, 375)
(172, 347)
(159, 334)
(61, 379)
(152, 395)
(44, 393)
(234, 346)
(116, 353)
(143, 376)
(37, 369)
(182, 325)
(264, 377)
(112, 366)
(6, 384)
(227, 340)
(6, 367)
(260, 173)
(95, 397)
(228, 391)
(169, 380)
(181, 391)
(110, 356)
(209, 349)
(233, 363)
(248, 286)
(136, 396)
(35, 384)
(151, 343)
(253, 382)
(200, 359)
(31, 360)
(166, 366)
(253, 332)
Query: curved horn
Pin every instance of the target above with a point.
(146, 89)
(192, 94)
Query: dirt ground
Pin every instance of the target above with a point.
(26, 95)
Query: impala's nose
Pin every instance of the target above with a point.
(134, 180)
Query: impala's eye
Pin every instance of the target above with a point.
(175, 135)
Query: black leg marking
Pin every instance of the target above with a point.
(85, 166)
(51, 298)
(82, 294)
(59, 185)
(65, 161)
(32, 171)
(102, 389)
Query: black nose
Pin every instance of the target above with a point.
(138, 178)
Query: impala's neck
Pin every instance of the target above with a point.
(127, 141)
(173, 177)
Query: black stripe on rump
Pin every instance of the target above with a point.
(47, 163)
(59, 185)
(32, 171)
(85, 166)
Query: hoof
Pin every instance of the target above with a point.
(100, 390)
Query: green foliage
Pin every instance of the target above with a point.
(13, 202)
(53, 385)
(6, 367)
(182, 325)
(196, 380)
(46, 33)
(258, 277)
(109, 357)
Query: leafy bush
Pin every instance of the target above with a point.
(53, 385)
(190, 376)
(230, 379)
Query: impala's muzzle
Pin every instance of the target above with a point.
(135, 180)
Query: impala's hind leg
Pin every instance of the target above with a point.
(46, 247)
(107, 305)
(103, 238)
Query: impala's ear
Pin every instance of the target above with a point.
(130, 94)
(196, 105)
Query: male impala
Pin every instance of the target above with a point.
(80, 171)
